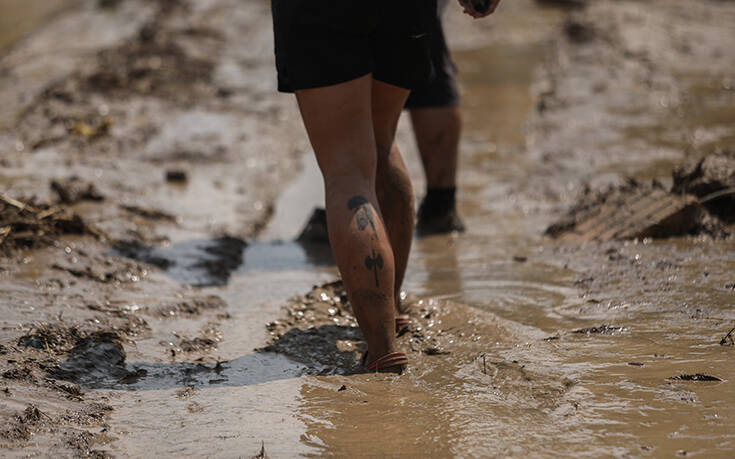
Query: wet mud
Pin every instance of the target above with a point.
(147, 262)
(25, 224)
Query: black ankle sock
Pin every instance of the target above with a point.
(438, 201)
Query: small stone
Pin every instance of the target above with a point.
(176, 176)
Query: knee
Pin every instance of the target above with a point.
(350, 173)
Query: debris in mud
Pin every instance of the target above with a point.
(190, 307)
(698, 377)
(601, 330)
(73, 189)
(20, 374)
(177, 176)
(325, 304)
(20, 427)
(152, 64)
(520, 258)
(315, 230)
(712, 180)
(187, 392)
(91, 128)
(97, 360)
(702, 200)
(54, 338)
(635, 364)
(72, 390)
(262, 454)
(25, 225)
(150, 214)
(435, 351)
(579, 31)
(101, 268)
(727, 340)
(198, 344)
(627, 212)
(342, 388)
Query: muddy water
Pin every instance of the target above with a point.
(621, 396)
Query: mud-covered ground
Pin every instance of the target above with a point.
(125, 126)
(143, 152)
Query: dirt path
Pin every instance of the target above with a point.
(143, 156)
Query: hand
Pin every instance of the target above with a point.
(466, 4)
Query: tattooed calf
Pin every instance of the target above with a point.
(363, 213)
(374, 263)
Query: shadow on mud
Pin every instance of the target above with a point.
(212, 262)
(99, 362)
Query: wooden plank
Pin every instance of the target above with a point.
(649, 213)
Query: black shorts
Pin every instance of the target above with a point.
(325, 42)
(441, 90)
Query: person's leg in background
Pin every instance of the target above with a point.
(437, 131)
(437, 125)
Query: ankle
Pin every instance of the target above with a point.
(438, 201)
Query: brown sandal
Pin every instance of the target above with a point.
(395, 359)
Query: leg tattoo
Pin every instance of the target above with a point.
(363, 213)
(374, 263)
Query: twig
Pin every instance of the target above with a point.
(484, 366)
(4, 232)
(16, 203)
(717, 194)
(262, 454)
(48, 212)
(727, 339)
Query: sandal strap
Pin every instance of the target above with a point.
(403, 319)
(389, 360)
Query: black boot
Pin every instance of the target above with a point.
(438, 213)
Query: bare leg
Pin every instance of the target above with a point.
(339, 122)
(393, 184)
(437, 131)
